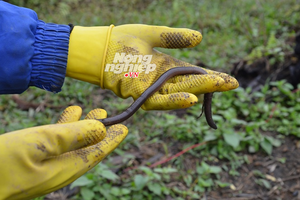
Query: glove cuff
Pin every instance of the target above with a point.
(87, 52)
(50, 56)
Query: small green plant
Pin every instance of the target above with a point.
(102, 183)
(273, 51)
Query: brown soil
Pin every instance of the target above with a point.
(283, 177)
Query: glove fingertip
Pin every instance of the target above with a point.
(171, 101)
(180, 38)
(96, 114)
(230, 84)
(70, 114)
(118, 131)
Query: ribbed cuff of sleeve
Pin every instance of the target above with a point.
(49, 61)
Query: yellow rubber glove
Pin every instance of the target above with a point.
(39, 160)
(93, 50)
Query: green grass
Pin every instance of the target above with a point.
(232, 30)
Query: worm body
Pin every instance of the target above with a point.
(207, 110)
(155, 87)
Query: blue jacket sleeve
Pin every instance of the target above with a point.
(32, 52)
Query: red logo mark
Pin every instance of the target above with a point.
(132, 74)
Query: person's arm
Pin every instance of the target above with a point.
(32, 52)
(40, 54)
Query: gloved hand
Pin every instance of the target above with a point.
(39, 160)
(92, 50)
